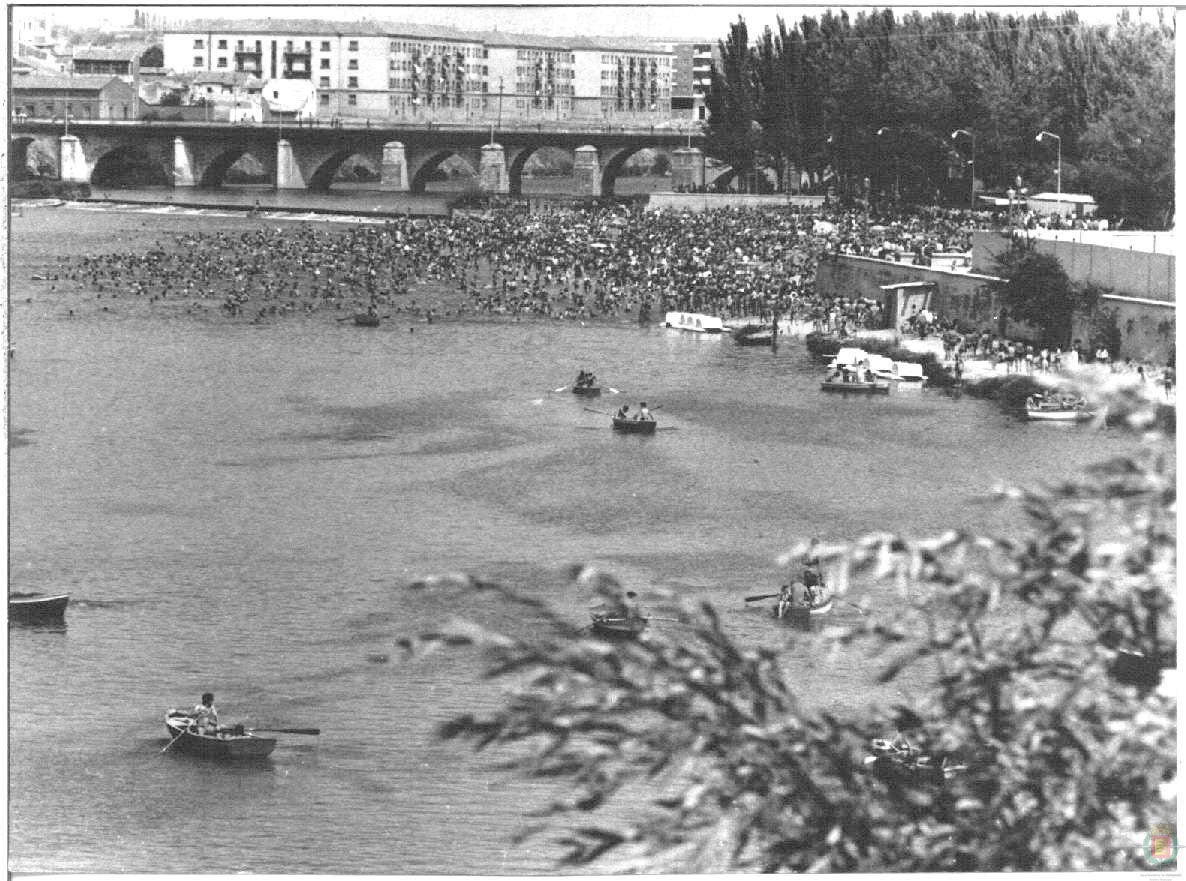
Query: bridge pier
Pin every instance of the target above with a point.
(586, 171)
(687, 169)
(492, 171)
(183, 164)
(72, 167)
(393, 170)
(288, 170)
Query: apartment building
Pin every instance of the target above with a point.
(380, 71)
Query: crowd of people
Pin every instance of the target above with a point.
(562, 262)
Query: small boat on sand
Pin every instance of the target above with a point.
(231, 745)
(634, 426)
(36, 609)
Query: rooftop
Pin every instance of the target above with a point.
(77, 83)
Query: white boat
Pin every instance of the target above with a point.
(882, 367)
(694, 322)
(1057, 414)
(907, 373)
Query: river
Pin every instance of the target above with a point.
(238, 508)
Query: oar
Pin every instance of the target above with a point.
(313, 731)
(600, 412)
(562, 388)
(854, 605)
(613, 391)
(176, 737)
(347, 318)
(761, 596)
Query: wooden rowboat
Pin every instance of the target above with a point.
(38, 609)
(364, 320)
(835, 385)
(222, 747)
(755, 335)
(800, 616)
(635, 426)
(588, 391)
(1057, 414)
(618, 628)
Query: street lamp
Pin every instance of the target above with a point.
(1058, 173)
(972, 163)
(500, 103)
(897, 171)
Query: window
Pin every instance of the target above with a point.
(323, 82)
(222, 62)
(325, 45)
(352, 46)
(352, 82)
(198, 44)
(324, 99)
(352, 100)
(222, 44)
(352, 64)
(239, 46)
(325, 64)
(197, 61)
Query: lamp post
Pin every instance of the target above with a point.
(885, 130)
(1058, 173)
(500, 103)
(971, 164)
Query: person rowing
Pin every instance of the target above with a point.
(793, 596)
(644, 415)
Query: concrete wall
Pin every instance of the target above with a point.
(1146, 326)
(1132, 273)
(709, 201)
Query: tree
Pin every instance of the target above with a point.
(1045, 651)
(154, 56)
(1037, 291)
(731, 136)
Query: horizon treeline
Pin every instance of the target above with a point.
(878, 97)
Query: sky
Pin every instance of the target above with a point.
(657, 21)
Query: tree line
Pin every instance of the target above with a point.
(870, 104)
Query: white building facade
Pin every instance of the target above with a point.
(375, 71)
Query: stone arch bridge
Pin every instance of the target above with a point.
(308, 156)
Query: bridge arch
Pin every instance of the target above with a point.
(616, 160)
(131, 164)
(519, 159)
(323, 176)
(422, 166)
(215, 170)
(18, 158)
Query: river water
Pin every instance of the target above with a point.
(238, 508)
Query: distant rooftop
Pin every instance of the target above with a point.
(53, 82)
(404, 29)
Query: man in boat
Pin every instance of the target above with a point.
(623, 412)
(793, 595)
(644, 415)
(204, 717)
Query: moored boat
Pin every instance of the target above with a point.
(755, 335)
(588, 391)
(618, 628)
(37, 609)
(234, 745)
(877, 387)
(908, 765)
(365, 319)
(694, 321)
(1047, 411)
(634, 426)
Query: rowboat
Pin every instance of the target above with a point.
(800, 616)
(755, 335)
(1042, 413)
(618, 628)
(877, 387)
(694, 322)
(588, 391)
(38, 609)
(907, 765)
(363, 319)
(225, 746)
(634, 426)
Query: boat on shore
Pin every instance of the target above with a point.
(876, 387)
(634, 426)
(694, 321)
(235, 744)
(37, 609)
(755, 335)
(908, 765)
(1056, 408)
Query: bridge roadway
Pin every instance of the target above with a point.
(306, 156)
